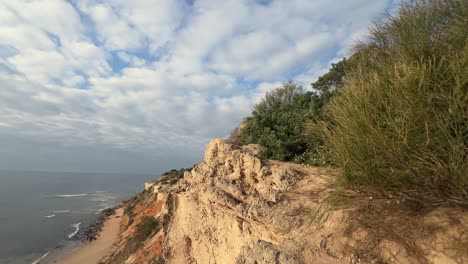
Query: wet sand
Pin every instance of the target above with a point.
(92, 252)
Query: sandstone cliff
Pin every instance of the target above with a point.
(237, 208)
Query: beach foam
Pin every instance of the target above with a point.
(69, 195)
(50, 216)
(77, 229)
(61, 211)
(43, 256)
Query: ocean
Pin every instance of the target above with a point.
(42, 211)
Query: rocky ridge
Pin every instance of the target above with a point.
(237, 208)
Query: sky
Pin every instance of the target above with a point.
(142, 86)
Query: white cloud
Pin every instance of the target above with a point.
(22, 37)
(161, 76)
(135, 25)
(68, 65)
(61, 19)
(112, 31)
(131, 59)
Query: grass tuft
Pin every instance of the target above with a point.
(399, 122)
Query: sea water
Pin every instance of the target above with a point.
(40, 211)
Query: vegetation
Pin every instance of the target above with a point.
(287, 122)
(331, 82)
(149, 225)
(277, 124)
(173, 176)
(400, 120)
(393, 116)
(159, 260)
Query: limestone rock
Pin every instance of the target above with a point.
(237, 208)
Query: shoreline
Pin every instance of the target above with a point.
(97, 241)
(92, 231)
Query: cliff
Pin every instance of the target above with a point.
(237, 208)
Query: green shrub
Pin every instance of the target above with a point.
(159, 260)
(173, 176)
(328, 86)
(288, 120)
(277, 123)
(149, 225)
(400, 121)
(332, 81)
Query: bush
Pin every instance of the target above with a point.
(159, 260)
(288, 122)
(400, 120)
(173, 176)
(277, 123)
(149, 225)
(328, 85)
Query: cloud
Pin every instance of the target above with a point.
(131, 59)
(134, 25)
(156, 79)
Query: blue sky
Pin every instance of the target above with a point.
(142, 86)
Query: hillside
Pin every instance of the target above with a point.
(237, 208)
(391, 120)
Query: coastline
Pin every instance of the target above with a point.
(93, 250)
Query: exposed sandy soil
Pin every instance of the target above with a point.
(92, 252)
(236, 208)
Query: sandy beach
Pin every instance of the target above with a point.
(92, 252)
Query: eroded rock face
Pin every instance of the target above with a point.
(237, 208)
(149, 185)
(226, 208)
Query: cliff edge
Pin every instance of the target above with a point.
(237, 208)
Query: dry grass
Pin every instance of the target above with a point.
(383, 218)
(320, 214)
(396, 220)
(399, 122)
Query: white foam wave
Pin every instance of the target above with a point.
(77, 228)
(49, 216)
(69, 195)
(99, 199)
(61, 211)
(41, 258)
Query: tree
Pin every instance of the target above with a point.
(279, 97)
(331, 81)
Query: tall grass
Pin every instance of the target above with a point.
(400, 121)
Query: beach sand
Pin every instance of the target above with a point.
(92, 252)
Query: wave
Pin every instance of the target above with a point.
(104, 206)
(61, 211)
(69, 195)
(77, 229)
(41, 258)
(49, 216)
(99, 199)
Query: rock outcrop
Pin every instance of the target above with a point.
(227, 209)
(237, 208)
